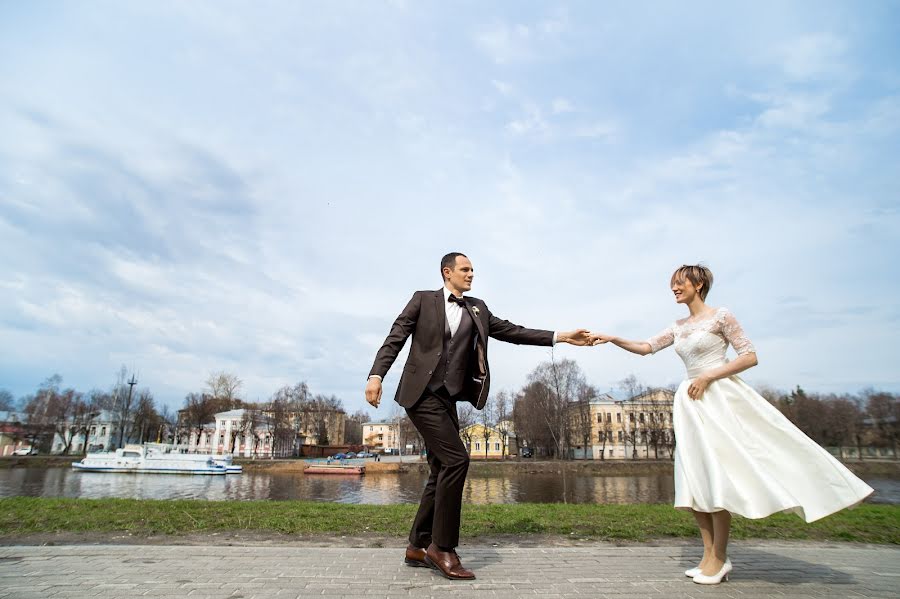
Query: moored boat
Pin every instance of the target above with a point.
(154, 458)
(334, 469)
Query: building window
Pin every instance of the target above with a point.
(641, 418)
(621, 436)
(93, 430)
(599, 417)
(609, 417)
(103, 432)
(619, 418)
(631, 417)
(477, 446)
(496, 447)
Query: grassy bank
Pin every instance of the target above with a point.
(27, 515)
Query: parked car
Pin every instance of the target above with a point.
(364, 454)
(339, 456)
(350, 455)
(527, 453)
(25, 451)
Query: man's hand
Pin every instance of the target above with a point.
(576, 337)
(373, 391)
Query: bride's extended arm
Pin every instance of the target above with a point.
(641, 348)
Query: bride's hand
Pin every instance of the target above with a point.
(600, 338)
(698, 386)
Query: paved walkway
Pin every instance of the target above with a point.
(596, 570)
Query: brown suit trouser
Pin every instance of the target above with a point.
(438, 518)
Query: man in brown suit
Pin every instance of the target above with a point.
(447, 363)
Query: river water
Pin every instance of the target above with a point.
(384, 488)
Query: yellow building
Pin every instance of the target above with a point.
(636, 428)
(381, 436)
(488, 442)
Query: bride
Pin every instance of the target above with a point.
(735, 453)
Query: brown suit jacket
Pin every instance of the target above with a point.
(424, 318)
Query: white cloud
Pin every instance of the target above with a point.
(813, 56)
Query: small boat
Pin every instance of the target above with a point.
(334, 469)
(155, 458)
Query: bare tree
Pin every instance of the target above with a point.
(561, 384)
(48, 412)
(7, 401)
(353, 427)
(147, 421)
(250, 425)
(199, 410)
(581, 417)
(604, 431)
(632, 388)
(883, 411)
(502, 406)
(842, 417)
(486, 419)
(224, 386)
(467, 416)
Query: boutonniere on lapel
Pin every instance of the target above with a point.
(475, 310)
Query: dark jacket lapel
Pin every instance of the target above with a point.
(478, 324)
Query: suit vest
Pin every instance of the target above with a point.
(453, 365)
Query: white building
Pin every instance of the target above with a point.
(101, 435)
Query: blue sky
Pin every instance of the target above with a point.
(259, 187)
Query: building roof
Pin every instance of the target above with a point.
(231, 414)
(379, 423)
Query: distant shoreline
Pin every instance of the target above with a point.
(877, 468)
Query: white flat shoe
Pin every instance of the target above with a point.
(716, 578)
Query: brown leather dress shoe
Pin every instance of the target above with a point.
(447, 563)
(415, 557)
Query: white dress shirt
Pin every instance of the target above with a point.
(454, 312)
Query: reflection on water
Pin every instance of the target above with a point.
(511, 487)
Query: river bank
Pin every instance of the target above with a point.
(872, 468)
(22, 516)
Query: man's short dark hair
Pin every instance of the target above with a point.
(449, 261)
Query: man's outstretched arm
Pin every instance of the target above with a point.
(504, 330)
(403, 327)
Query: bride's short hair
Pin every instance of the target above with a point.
(699, 276)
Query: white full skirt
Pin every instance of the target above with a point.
(734, 451)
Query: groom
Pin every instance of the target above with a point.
(447, 363)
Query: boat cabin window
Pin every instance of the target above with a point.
(131, 454)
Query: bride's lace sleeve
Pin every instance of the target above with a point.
(662, 340)
(734, 334)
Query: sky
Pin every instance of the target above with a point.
(258, 187)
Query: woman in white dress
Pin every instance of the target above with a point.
(734, 452)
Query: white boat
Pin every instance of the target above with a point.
(156, 458)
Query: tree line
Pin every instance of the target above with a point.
(60, 414)
(551, 415)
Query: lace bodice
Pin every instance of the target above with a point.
(702, 344)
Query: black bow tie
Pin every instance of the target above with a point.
(457, 300)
